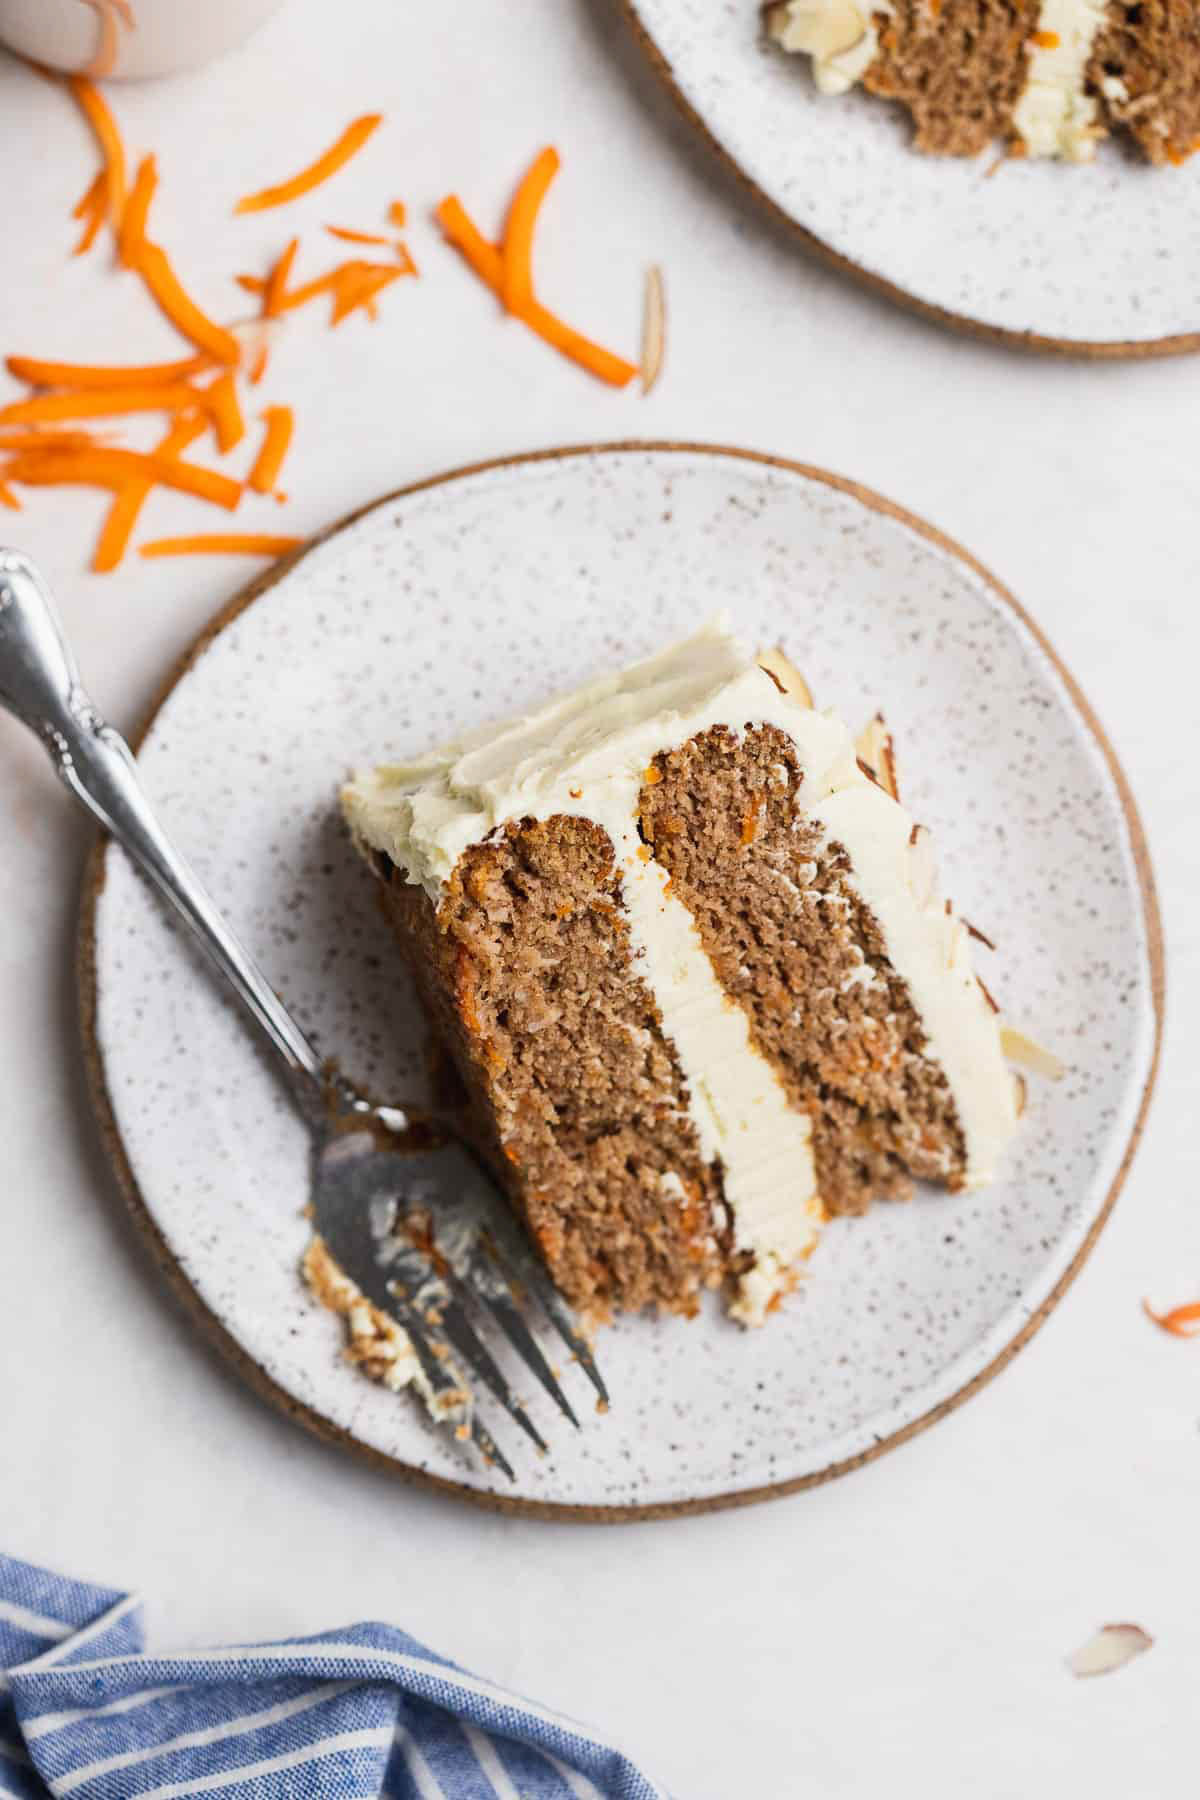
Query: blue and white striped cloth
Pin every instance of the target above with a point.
(84, 1711)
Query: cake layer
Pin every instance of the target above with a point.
(580, 1103)
(572, 845)
(1145, 65)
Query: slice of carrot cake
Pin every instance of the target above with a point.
(1052, 77)
(690, 956)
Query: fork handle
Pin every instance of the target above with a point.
(40, 684)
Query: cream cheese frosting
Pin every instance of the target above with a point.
(1055, 115)
(838, 35)
(587, 754)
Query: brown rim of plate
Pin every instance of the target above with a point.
(216, 1332)
(1095, 349)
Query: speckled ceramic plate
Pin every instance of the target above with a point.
(485, 592)
(1102, 259)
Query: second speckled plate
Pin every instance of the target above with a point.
(485, 592)
(1102, 259)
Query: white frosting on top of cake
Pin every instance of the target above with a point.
(1054, 115)
(839, 36)
(587, 754)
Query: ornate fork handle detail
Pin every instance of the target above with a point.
(40, 684)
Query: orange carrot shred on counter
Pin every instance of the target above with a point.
(38, 373)
(95, 109)
(221, 399)
(46, 440)
(184, 314)
(113, 468)
(93, 207)
(358, 285)
(517, 247)
(8, 498)
(333, 159)
(1181, 1321)
(227, 543)
(277, 280)
(398, 213)
(488, 263)
(126, 508)
(356, 237)
(277, 437)
(131, 237)
(98, 403)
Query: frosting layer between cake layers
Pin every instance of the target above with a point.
(588, 755)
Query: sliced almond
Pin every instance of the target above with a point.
(1029, 1055)
(874, 745)
(922, 868)
(654, 328)
(785, 675)
(1110, 1648)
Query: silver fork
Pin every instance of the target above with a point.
(403, 1206)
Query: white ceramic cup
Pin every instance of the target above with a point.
(128, 38)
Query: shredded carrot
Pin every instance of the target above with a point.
(461, 231)
(113, 468)
(356, 237)
(184, 314)
(94, 108)
(277, 280)
(351, 141)
(404, 258)
(224, 543)
(8, 498)
(357, 286)
(517, 248)
(131, 238)
(90, 375)
(107, 13)
(398, 213)
(258, 367)
(1046, 40)
(96, 195)
(221, 399)
(488, 263)
(97, 403)
(276, 439)
(125, 510)
(46, 440)
(252, 284)
(1181, 1321)
(93, 207)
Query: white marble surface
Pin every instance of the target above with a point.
(902, 1629)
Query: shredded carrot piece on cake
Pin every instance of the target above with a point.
(1046, 40)
(126, 508)
(113, 468)
(276, 439)
(490, 264)
(184, 314)
(93, 375)
(95, 109)
(333, 159)
(356, 237)
(1181, 1321)
(131, 238)
(517, 248)
(222, 402)
(227, 543)
(93, 207)
(97, 403)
